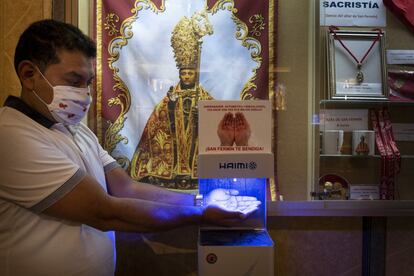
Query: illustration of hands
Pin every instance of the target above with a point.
(241, 130)
(229, 200)
(234, 129)
(225, 130)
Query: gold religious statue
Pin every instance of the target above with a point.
(167, 152)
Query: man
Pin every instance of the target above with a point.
(59, 190)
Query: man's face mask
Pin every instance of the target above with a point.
(69, 104)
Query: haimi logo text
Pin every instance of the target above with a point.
(238, 165)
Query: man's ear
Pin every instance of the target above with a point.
(26, 72)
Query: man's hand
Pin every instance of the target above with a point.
(241, 130)
(225, 130)
(226, 207)
(230, 200)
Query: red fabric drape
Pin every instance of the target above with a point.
(403, 9)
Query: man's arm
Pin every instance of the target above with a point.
(88, 203)
(120, 184)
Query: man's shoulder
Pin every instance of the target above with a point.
(10, 116)
(13, 123)
(20, 136)
(5, 110)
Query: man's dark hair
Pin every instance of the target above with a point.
(41, 41)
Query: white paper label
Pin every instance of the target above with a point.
(370, 192)
(344, 119)
(403, 132)
(352, 13)
(400, 56)
(248, 122)
(351, 89)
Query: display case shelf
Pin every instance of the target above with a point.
(362, 103)
(345, 208)
(326, 156)
(348, 156)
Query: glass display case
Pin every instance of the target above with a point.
(347, 91)
(365, 145)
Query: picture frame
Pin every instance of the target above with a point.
(356, 65)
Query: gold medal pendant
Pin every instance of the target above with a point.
(359, 75)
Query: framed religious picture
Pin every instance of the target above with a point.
(157, 59)
(356, 65)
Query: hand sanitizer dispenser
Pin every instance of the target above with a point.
(236, 166)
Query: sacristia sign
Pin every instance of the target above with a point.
(352, 13)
